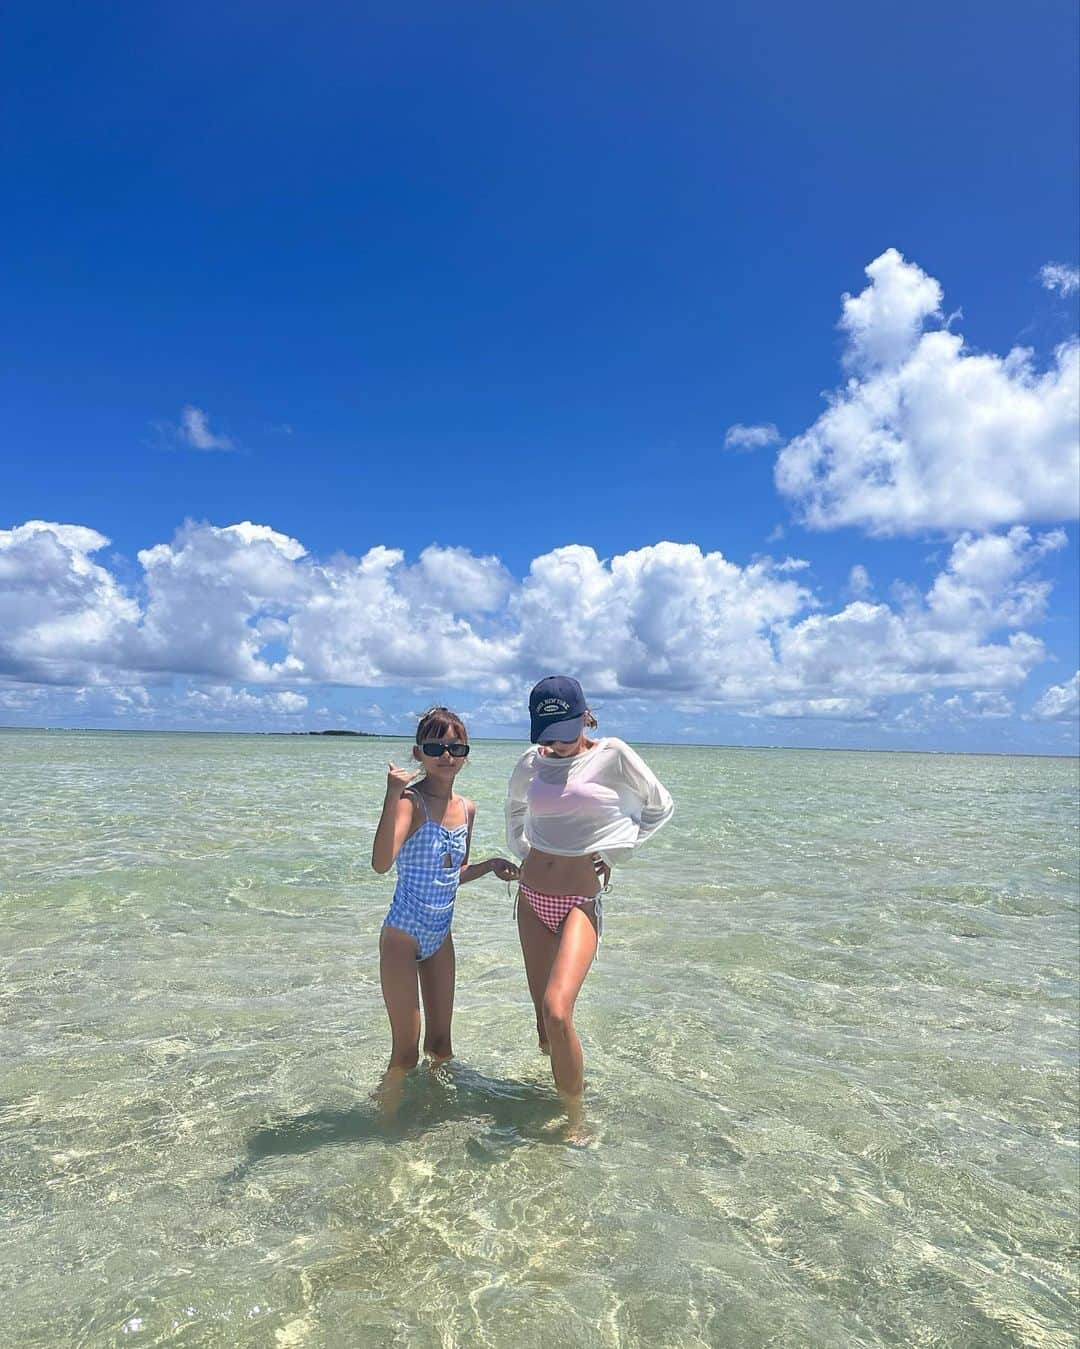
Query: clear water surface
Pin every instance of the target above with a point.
(830, 1046)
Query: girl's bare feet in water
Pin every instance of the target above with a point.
(387, 1095)
(440, 1066)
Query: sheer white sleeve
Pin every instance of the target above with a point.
(517, 806)
(657, 806)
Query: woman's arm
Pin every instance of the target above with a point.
(517, 807)
(394, 822)
(657, 806)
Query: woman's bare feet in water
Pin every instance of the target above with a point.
(577, 1130)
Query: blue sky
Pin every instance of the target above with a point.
(501, 279)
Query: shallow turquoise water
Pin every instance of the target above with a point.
(830, 1045)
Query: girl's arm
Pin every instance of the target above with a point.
(504, 870)
(394, 822)
(471, 871)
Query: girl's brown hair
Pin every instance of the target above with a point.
(439, 721)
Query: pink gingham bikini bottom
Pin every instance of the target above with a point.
(552, 909)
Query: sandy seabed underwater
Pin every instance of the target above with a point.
(830, 1044)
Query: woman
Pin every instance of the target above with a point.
(576, 806)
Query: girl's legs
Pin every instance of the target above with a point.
(437, 990)
(539, 946)
(576, 949)
(397, 973)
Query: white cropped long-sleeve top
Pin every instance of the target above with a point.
(604, 800)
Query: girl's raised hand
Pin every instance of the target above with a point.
(397, 779)
(504, 870)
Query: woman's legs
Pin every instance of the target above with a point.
(437, 989)
(539, 946)
(576, 949)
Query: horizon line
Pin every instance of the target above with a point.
(500, 739)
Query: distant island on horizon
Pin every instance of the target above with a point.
(370, 735)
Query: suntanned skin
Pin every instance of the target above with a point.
(556, 963)
(405, 980)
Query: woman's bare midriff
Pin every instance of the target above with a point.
(553, 875)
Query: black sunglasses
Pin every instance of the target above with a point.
(434, 750)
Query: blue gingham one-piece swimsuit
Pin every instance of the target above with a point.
(423, 903)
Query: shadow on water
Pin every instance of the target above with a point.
(512, 1112)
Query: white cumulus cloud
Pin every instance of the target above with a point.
(668, 617)
(245, 605)
(927, 434)
(223, 698)
(63, 616)
(1061, 277)
(1060, 702)
(209, 592)
(884, 322)
(859, 582)
(830, 709)
(991, 703)
(989, 583)
(942, 640)
(739, 437)
(195, 431)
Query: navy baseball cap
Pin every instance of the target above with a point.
(557, 709)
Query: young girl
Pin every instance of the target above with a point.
(427, 831)
(575, 807)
